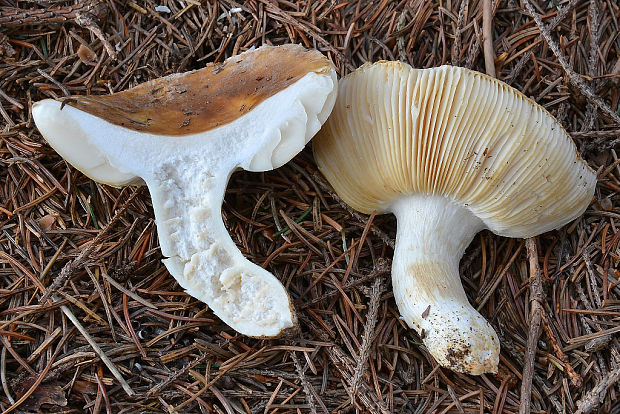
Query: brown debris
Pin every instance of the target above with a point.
(86, 56)
(50, 393)
(5, 47)
(171, 351)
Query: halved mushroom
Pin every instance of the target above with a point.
(184, 135)
(450, 152)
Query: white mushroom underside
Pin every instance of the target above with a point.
(456, 133)
(187, 177)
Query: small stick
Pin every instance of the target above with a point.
(487, 35)
(381, 268)
(573, 77)
(98, 350)
(308, 389)
(400, 40)
(379, 233)
(596, 134)
(575, 378)
(34, 386)
(224, 370)
(132, 332)
(593, 398)
(536, 298)
(85, 14)
(86, 21)
(128, 292)
(175, 375)
(77, 263)
(456, 50)
(5, 385)
(367, 339)
(16, 18)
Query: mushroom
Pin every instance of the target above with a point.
(450, 152)
(183, 135)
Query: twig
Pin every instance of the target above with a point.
(86, 21)
(286, 18)
(536, 298)
(455, 399)
(562, 13)
(85, 14)
(573, 77)
(98, 350)
(132, 331)
(5, 385)
(595, 396)
(344, 364)
(225, 403)
(369, 335)
(175, 375)
(381, 269)
(304, 382)
(379, 233)
(456, 51)
(128, 292)
(475, 49)
(11, 18)
(592, 60)
(237, 359)
(60, 86)
(596, 134)
(400, 40)
(487, 33)
(79, 261)
(34, 386)
(575, 378)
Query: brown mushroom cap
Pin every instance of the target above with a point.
(456, 133)
(198, 101)
(204, 102)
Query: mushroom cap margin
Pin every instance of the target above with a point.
(457, 133)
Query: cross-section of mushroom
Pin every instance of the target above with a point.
(450, 152)
(184, 135)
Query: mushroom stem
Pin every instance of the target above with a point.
(187, 199)
(432, 235)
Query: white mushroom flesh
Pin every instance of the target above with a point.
(187, 177)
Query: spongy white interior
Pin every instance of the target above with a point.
(187, 177)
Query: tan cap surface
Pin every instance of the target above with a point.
(193, 102)
(457, 133)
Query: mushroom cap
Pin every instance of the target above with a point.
(201, 103)
(457, 133)
(183, 135)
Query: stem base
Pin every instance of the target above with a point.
(433, 233)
